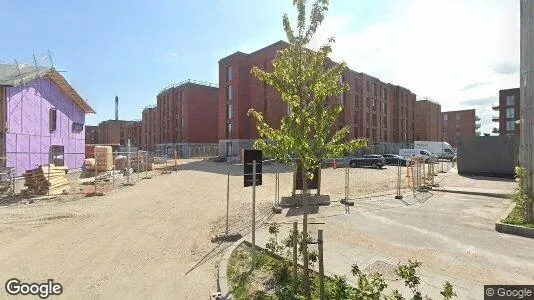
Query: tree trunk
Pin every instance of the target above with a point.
(306, 279)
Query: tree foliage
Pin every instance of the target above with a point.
(308, 86)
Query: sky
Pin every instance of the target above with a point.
(459, 53)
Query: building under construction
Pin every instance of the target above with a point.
(42, 116)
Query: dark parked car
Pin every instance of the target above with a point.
(372, 160)
(394, 159)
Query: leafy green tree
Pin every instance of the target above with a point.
(308, 86)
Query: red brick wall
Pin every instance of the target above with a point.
(201, 107)
(427, 121)
(249, 92)
(465, 128)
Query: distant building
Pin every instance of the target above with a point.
(91, 134)
(459, 123)
(427, 120)
(509, 109)
(373, 109)
(185, 115)
(43, 119)
(112, 132)
(133, 132)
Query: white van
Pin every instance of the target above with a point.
(424, 154)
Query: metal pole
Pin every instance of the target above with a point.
(146, 164)
(295, 256)
(253, 212)
(49, 185)
(113, 170)
(128, 164)
(321, 264)
(138, 164)
(96, 168)
(347, 174)
(442, 156)
(227, 195)
(175, 161)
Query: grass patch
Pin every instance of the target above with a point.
(247, 283)
(516, 217)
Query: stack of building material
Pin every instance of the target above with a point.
(104, 158)
(46, 180)
(139, 162)
(89, 164)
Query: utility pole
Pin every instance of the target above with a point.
(527, 95)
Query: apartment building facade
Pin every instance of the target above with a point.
(428, 120)
(509, 108)
(184, 114)
(372, 109)
(133, 133)
(459, 123)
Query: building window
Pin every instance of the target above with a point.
(355, 117)
(229, 73)
(510, 125)
(445, 116)
(228, 130)
(367, 84)
(385, 94)
(367, 132)
(368, 102)
(374, 104)
(510, 113)
(356, 101)
(457, 116)
(229, 95)
(374, 134)
(356, 131)
(385, 136)
(229, 111)
(53, 119)
(57, 155)
(374, 89)
(77, 127)
(374, 120)
(510, 100)
(367, 117)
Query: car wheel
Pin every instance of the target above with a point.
(375, 166)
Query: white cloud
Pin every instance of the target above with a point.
(435, 48)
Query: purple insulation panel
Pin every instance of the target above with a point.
(29, 138)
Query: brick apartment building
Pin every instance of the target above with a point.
(509, 108)
(373, 109)
(91, 134)
(133, 132)
(427, 120)
(185, 114)
(112, 132)
(459, 123)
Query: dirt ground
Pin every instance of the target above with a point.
(151, 240)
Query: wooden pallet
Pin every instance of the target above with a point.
(46, 180)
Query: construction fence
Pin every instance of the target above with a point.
(187, 150)
(337, 180)
(123, 168)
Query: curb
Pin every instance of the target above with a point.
(493, 195)
(513, 229)
(222, 272)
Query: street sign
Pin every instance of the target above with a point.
(248, 157)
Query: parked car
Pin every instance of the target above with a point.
(371, 160)
(422, 154)
(395, 160)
